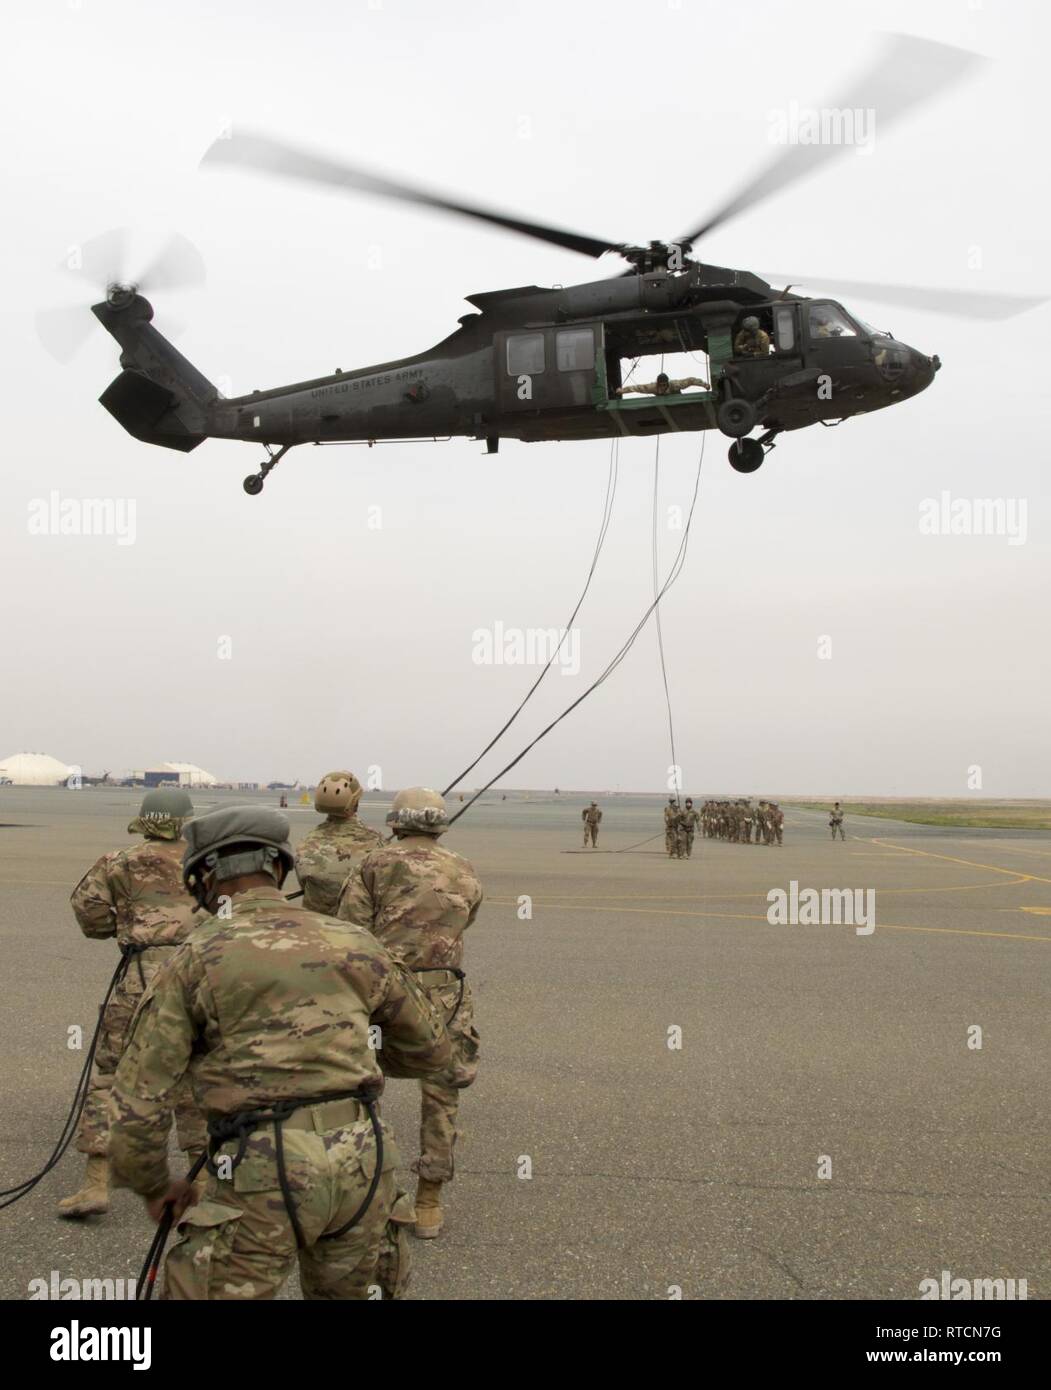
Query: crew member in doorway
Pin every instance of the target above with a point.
(663, 386)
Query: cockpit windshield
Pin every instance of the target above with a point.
(829, 321)
(872, 332)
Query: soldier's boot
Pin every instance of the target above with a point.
(93, 1197)
(428, 1209)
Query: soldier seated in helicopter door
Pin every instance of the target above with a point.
(752, 338)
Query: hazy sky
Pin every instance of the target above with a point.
(352, 646)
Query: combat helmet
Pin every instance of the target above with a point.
(162, 813)
(234, 841)
(751, 323)
(337, 795)
(418, 811)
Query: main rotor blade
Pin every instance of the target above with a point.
(247, 150)
(177, 266)
(972, 304)
(905, 73)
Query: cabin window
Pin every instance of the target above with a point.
(525, 354)
(784, 329)
(575, 349)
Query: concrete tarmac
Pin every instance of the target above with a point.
(824, 1131)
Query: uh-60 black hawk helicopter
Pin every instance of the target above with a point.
(546, 364)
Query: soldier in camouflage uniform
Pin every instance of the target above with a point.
(690, 821)
(137, 896)
(778, 821)
(671, 828)
(835, 822)
(333, 848)
(751, 340)
(418, 899)
(591, 816)
(284, 1018)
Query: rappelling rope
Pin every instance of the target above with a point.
(657, 614)
(673, 574)
(80, 1095)
(607, 513)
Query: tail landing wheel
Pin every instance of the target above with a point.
(253, 484)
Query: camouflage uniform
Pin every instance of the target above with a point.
(691, 818)
(671, 829)
(418, 899)
(136, 895)
(835, 822)
(778, 817)
(591, 816)
(328, 854)
(755, 344)
(275, 1004)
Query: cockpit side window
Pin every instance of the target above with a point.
(829, 321)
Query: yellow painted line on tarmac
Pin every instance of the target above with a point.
(951, 859)
(751, 917)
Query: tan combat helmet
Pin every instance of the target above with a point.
(337, 795)
(418, 811)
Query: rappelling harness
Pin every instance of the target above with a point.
(240, 1126)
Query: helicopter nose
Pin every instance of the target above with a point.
(922, 370)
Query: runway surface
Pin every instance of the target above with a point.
(804, 1050)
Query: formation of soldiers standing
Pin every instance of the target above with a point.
(738, 822)
(267, 1028)
(741, 823)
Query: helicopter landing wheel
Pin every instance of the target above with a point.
(746, 455)
(253, 484)
(736, 417)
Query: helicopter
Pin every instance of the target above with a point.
(540, 364)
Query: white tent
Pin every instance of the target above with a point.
(34, 770)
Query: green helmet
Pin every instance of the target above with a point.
(751, 323)
(234, 841)
(418, 811)
(161, 814)
(166, 801)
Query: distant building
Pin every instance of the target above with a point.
(34, 770)
(182, 774)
